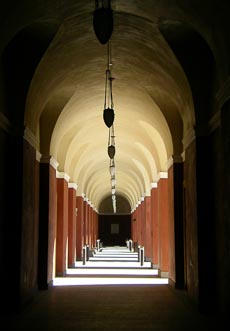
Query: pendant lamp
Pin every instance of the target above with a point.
(103, 21)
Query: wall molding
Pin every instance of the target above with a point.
(183, 156)
(188, 138)
(30, 137)
(153, 185)
(38, 156)
(72, 185)
(223, 94)
(162, 175)
(53, 162)
(63, 175)
(174, 159)
(215, 121)
(5, 123)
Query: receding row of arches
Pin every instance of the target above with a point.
(171, 144)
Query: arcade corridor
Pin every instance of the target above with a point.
(114, 125)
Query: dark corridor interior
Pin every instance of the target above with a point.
(114, 230)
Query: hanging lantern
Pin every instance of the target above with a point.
(108, 116)
(111, 151)
(103, 22)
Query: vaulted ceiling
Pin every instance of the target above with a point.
(152, 98)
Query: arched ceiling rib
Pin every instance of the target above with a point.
(151, 100)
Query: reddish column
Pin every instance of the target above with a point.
(88, 224)
(143, 223)
(52, 231)
(85, 218)
(163, 226)
(90, 227)
(96, 226)
(148, 229)
(172, 274)
(62, 226)
(79, 227)
(134, 226)
(71, 227)
(155, 226)
(139, 224)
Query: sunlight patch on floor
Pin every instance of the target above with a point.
(112, 264)
(119, 272)
(72, 281)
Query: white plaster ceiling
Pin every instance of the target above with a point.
(152, 101)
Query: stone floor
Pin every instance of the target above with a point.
(111, 308)
(107, 307)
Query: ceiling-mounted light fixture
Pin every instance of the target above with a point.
(103, 20)
(108, 113)
(113, 181)
(108, 116)
(112, 167)
(103, 27)
(111, 143)
(111, 151)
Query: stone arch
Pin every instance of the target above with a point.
(123, 205)
(198, 62)
(20, 59)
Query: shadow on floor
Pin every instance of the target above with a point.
(111, 308)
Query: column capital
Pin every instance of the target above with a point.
(63, 175)
(72, 185)
(223, 94)
(188, 138)
(30, 137)
(215, 121)
(38, 156)
(54, 163)
(153, 185)
(174, 159)
(162, 175)
(49, 159)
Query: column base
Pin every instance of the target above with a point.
(163, 274)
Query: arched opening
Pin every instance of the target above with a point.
(114, 229)
(165, 147)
